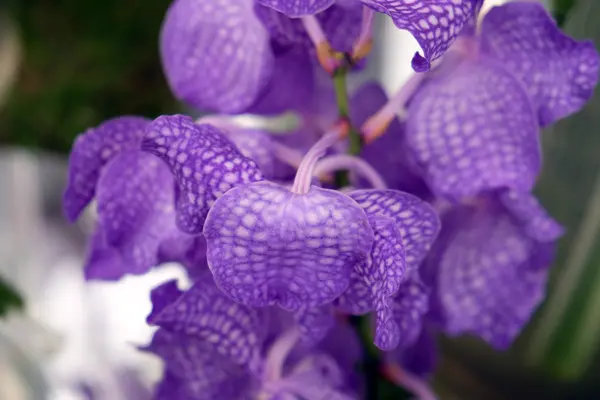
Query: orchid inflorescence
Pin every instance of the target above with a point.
(414, 211)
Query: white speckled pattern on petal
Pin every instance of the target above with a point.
(297, 8)
(472, 129)
(415, 219)
(216, 54)
(267, 245)
(91, 151)
(135, 208)
(204, 162)
(433, 23)
(560, 73)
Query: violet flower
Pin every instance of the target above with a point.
(134, 193)
(434, 24)
(214, 348)
(473, 126)
(429, 228)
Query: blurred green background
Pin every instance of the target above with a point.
(83, 62)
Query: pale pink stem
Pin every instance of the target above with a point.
(363, 44)
(218, 121)
(412, 383)
(376, 125)
(287, 154)
(355, 164)
(366, 29)
(278, 353)
(314, 30)
(306, 169)
(325, 54)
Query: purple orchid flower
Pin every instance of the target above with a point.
(430, 228)
(434, 24)
(214, 348)
(262, 66)
(473, 126)
(488, 271)
(134, 192)
(405, 228)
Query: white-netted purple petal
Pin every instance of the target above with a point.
(91, 151)
(409, 307)
(204, 162)
(205, 314)
(216, 54)
(537, 224)
(195, 371)
(433, 23)
(357, 299)
(135, 208)
(315, 323)
(387, 154)
(297, 8)
(374, 281)
(267, 245)
(487, 283)
(341, 26)
(473, 129)
(560, 73)
(415, 219)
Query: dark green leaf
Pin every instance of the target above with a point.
(9, 298)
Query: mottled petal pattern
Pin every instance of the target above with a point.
(91, 151)
(341, 26)
(315, 322)
(409, 307)
(433, 23)
(194, 371)
(560, 73)
(537, 224)
(375, 280)
(205, 164)
(205, 314)
(472, 129)
(216, 54)
(486, 283)
(269, 246)
(416, 220)
(135, 208)
(297, 8)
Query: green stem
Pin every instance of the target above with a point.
(371, 360)
(341, 96)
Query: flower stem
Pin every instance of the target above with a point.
(355, 164)
(341, 95)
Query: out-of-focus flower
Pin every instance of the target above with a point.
(214, 348)
(473, 126)
(488, 271)
(134, 193)
(434, 24)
